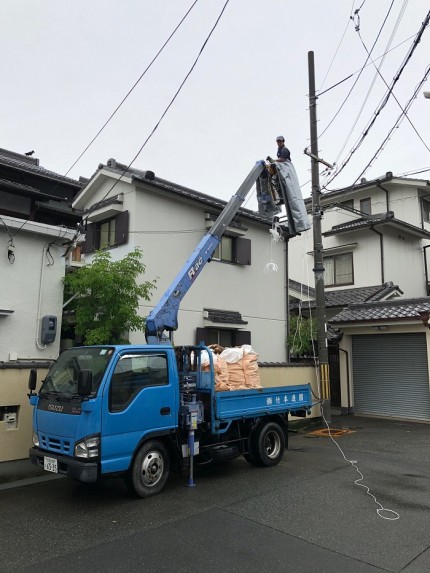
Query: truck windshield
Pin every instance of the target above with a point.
(63, 375)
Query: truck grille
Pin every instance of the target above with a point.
(58, 445)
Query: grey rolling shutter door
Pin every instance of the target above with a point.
(391, 375)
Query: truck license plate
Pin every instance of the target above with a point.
(50, 464)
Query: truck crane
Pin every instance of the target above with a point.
(139, 410)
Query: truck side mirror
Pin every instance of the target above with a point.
(32, 380)
(85, 382)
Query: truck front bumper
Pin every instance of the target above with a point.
(87, 472)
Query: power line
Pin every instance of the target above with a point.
(383, 79)
(361, 71)
(338, 47)
(357, 28)
(133, 87)
(398, 121)
(385, 99)
(369, 64)
(170, 104)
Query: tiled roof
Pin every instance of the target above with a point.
(225, 316)
(27, 189)
(348, 296)
(301, 288)
(364, 184)
(392, 310)
(180, 190)
(376, 220)
(31, 165)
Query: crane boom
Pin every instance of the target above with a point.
(164, 316)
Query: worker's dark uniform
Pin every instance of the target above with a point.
(284, 153)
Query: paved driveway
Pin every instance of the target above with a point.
(305, 515)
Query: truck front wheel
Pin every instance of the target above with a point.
(269, 444)
(150, 469)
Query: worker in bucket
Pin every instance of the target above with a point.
(283, 152)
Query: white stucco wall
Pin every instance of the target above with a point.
(32, 287)
(167, 229)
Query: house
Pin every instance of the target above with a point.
(375, 239)
(36, 225)
(234, 301)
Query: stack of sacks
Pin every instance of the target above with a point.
(242, 368)
(235, 368)
(220, 369)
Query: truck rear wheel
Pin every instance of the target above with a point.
(269, 444)
(150, 469)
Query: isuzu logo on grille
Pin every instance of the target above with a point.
(55, 407)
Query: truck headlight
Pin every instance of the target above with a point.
(35, 440)
(88, 448)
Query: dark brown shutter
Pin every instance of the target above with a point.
(243, 251)
(242, 337)
(202, 335)
(88, 245)
(121, 228)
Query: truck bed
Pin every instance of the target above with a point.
(238, 404)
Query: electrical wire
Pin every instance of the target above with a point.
(360, 72)
(133, 87)
(390, 88)
(170, 104)
(338, 47)
(383, 512)
(374, 77)
(397, 123)
(383, 102)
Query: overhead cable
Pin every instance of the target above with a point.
(169, 105)
(132, 87)
(385, 99)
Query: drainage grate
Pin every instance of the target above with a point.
(335, 432)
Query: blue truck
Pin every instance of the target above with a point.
(138, 411)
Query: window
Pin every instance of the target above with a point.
(426, 210)
(366, 206)
(223, 336)
(338, 270)
(105, 234)
(134, 372)
(224, 251)
(235, 250)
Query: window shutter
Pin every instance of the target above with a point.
(121, 228)
(88, 245)
(243, 251)
(242, 337)
(202, 335)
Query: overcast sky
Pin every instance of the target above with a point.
(67, 65)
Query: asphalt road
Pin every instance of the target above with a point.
(304, 515)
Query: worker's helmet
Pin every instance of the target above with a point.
(280, 138)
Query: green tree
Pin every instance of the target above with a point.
(302, 332)
(107, 297)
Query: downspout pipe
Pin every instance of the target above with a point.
(426, 268)
(387, 201)
(381, 243)
(347, 381)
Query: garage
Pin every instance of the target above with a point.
(390, 375)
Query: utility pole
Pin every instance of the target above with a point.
(318, 248)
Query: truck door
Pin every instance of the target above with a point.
(141, 398)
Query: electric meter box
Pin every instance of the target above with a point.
(49, 329)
